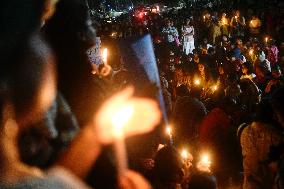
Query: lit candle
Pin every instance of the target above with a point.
(236, 17)
(104, 55)
(119, 120)
(184, 154)
(214, 88)
(169, 132)
(197, 82)
(266, 39)
(251, 52)
(204, 17)
(204, 164)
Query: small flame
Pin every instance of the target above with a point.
(197, 82)
(104, 55)
(184, 154)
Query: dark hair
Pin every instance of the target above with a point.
(277, 100)
(168, 165)
(22, 69)
(264, 112)
(249, 66)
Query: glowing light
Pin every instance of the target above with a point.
(224, 21)
(236, 17)
(184, 154)
(105, 55)
(215, 87)
(120, 118)
(169, 130)
(251, 52)
(197, 82)
(169, 133)
(204, 164)
(204, 17)
(266, 39)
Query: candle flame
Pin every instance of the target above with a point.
(266, 39)
(121, 117)
(205, 163)
(251, 52)
(215, 87)
(197, 82)
(184, 154)
(169, 130)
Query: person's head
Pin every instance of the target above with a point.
(247, 68)
(201, 67)
(277, 103)
(72, 16)
(168, 165)
(238, 13)
(276, 72)
(202, 181)
(187, 21)
(264, 112)
(182, 90)
(168, 23)
(28, 79)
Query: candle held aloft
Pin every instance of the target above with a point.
(169, 133)
(204, 164)
(184, 154)
(105, 55)
(119, 120)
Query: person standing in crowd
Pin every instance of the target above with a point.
(188, 37)
(237, 25)
(224, 25)
(254, 26)
(256, 140)
(170, 34)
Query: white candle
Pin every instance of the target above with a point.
(169, 132)
(118, 121)
(104, 55)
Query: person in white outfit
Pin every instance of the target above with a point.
(188, 37)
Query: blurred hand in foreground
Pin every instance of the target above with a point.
(125, 114)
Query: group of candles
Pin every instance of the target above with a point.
(197, 82)
(203, 165)
(122, 114)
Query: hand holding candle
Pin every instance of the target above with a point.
(204, 164)
(127, 114)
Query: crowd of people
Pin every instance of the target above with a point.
(221, 75)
